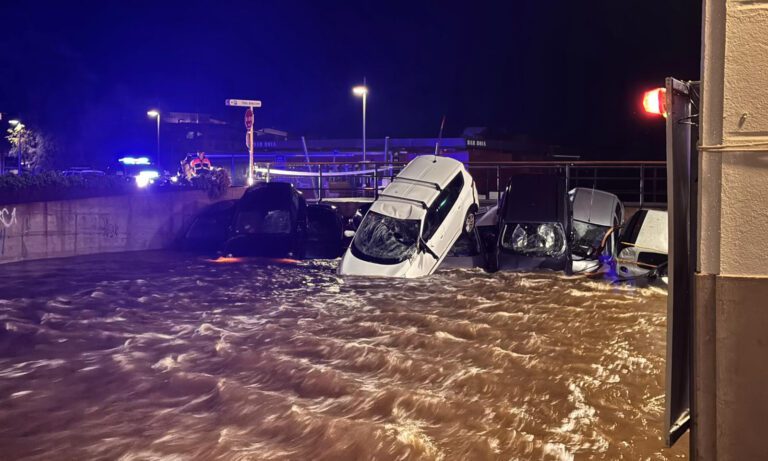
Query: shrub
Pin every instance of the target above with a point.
(51, 185)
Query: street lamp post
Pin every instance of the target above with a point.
(156, 114)
(362, 91)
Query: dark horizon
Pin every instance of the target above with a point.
(562, 73)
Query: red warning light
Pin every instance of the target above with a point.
(654, 101)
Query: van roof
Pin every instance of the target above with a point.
(653, 234)
(594, 206)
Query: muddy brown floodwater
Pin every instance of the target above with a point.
(168, 356)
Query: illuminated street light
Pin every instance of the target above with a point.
(13, 122)
(156, 114)
(362, 91)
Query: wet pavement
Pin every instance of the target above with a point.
(159, 355)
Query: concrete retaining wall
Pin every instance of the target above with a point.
(141, 221)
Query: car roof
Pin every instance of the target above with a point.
(416, 187)
(653, 234)
(434, 169)
(593, 206)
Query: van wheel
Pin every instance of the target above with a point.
(469, 222)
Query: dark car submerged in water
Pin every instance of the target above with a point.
(271, 220)
(533, 225)
(326, 234)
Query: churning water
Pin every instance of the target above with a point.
(168, 356)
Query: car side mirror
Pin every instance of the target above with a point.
(349, 233)
(423, 247)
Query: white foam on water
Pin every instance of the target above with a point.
(267, 361)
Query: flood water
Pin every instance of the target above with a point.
(160, 355)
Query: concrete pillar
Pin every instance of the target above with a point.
(731, 324)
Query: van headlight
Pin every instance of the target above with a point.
(628, 254)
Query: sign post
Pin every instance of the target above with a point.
(250, 104)
(249, 128)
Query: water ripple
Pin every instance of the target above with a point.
(176, 357)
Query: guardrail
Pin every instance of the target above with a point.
(641, 183)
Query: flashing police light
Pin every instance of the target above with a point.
(655, 101)
(145, 178)
(134, 160)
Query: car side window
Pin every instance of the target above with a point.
(442, 205)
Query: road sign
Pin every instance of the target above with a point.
(248, 118)
(242, 103)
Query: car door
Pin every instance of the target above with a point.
(444, 218)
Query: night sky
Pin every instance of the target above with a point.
(560, 72)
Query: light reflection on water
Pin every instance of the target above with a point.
(164, 356)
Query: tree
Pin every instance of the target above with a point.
(37, 149)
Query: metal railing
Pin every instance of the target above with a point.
(640, 183)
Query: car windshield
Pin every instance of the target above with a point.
(385, 240)
(263, 222)
(587, 238)
(534, 239)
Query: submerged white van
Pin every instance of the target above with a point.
(597, 217)
(416, 220)
(644, 246)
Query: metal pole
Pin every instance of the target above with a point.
(365, 97)
(309, 167)
(498, 184)
(375, 183)
(250, 154)
(320, 186)
(386, 148)
(158, 140)
(642, 184)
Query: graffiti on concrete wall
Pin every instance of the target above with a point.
(107, 229)
(8, 217)
(7, 220)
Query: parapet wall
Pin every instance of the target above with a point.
(142, 221)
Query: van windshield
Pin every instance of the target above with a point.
(385, 240)
(587, 239)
